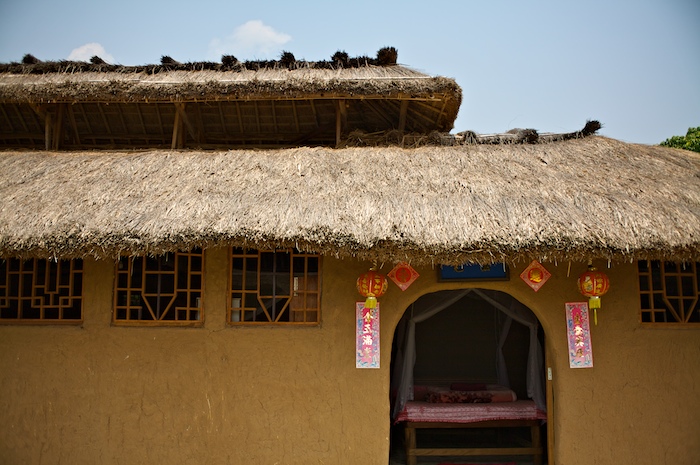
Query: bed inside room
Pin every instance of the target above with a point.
(468, 380)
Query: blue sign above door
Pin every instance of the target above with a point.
(494, 271)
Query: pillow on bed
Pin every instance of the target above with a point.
(490, 393)
(459, 397)
(421, 391)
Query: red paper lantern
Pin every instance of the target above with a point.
(593, 284)
(372, 285)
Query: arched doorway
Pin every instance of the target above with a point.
(476, 352)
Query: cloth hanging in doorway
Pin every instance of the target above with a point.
(432, 304)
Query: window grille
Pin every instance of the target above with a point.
(270, 287)
(41, 291)
(668, 292)
(162, 290)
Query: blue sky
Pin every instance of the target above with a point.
(547, 65)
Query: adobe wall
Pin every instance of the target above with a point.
(267, 395)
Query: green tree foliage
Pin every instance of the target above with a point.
(691, 141)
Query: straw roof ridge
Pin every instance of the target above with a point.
(528, 136)
(386, 56)
(358, 138)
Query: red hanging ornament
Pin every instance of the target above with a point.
(403, 275)
(593, 284)
(372, 285)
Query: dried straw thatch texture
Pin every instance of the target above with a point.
(579, 199)
(202, 85)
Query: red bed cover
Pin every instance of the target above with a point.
(470, 413)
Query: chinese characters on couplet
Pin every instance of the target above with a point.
(367, 336)
(579, 335)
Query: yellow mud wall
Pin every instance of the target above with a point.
(640, 403)
(100, 394)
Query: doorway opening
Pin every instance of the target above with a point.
(468, 381)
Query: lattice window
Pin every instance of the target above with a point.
(163, 290)
(271, 287)
(669, 292)
(41, 291)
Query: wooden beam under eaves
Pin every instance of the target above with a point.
(48, 126)
(73, 124)
(44, 116)
(53, 128)
(201, 134)
(178, 139)
(402, 115)
(58, 128)
(341, 119)
(107, 126)
(185, 123)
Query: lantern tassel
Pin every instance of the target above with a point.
(371, 302)
(594, 303)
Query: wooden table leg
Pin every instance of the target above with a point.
(536, 442)
(410, 437)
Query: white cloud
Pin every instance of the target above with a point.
(249, 41)
(87, 51)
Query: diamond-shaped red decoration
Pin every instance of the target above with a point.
(403, 275)
(535, 275)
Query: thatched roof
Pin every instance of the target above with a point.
(212, 85)
(102, 107)
(579, 199)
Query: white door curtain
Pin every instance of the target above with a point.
(432, 304)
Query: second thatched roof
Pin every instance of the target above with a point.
(579, 199)
(209, 85)
(219, 109)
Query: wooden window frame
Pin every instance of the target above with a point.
(669, 294)
(300, 306)
(137, 304)
(49, 289)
